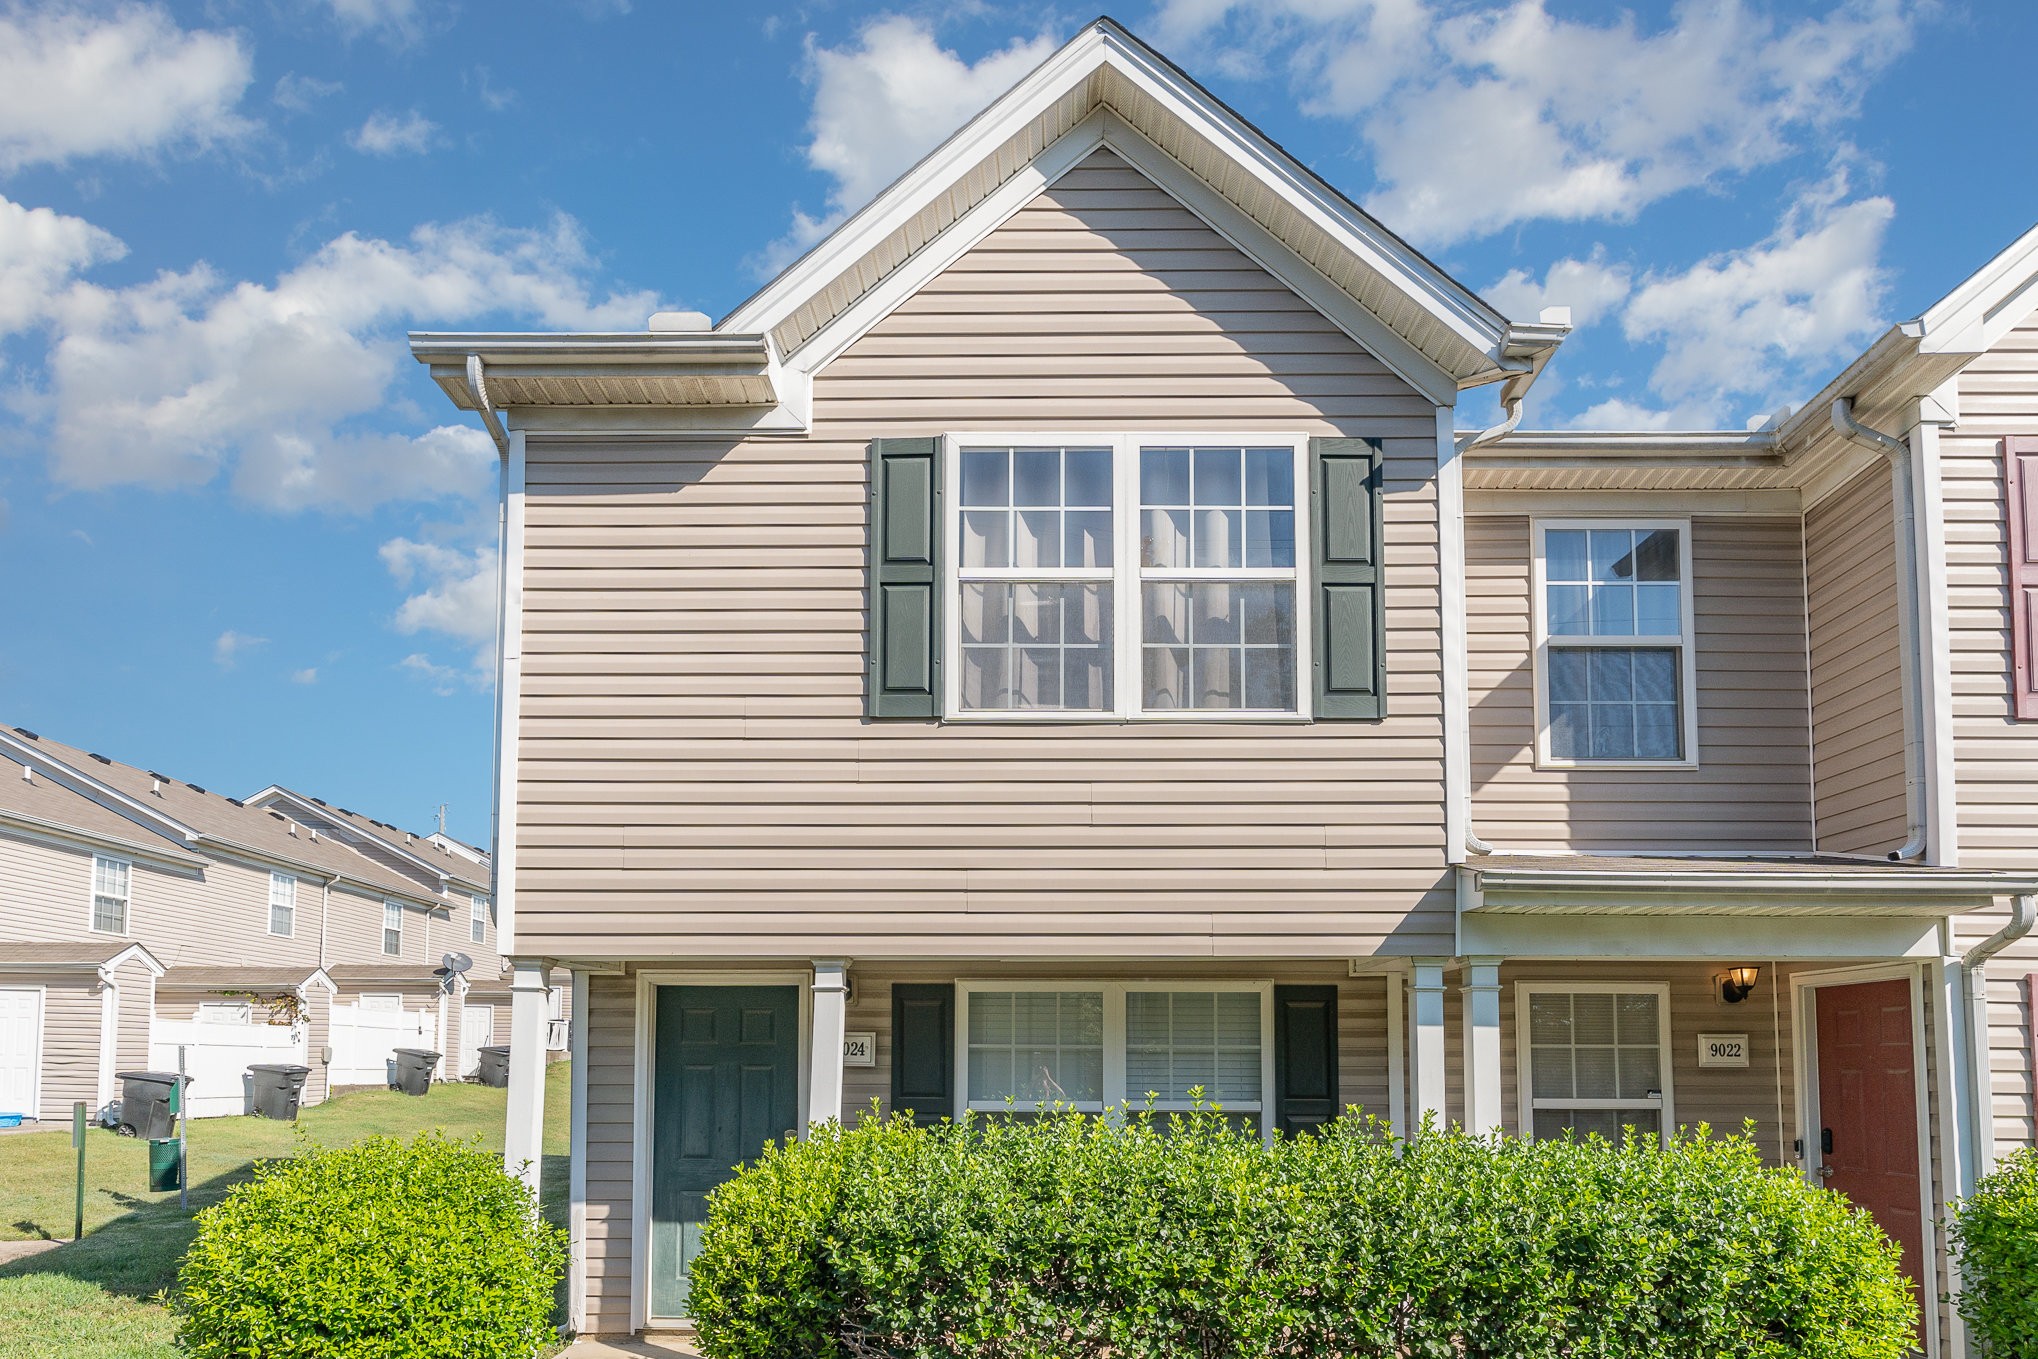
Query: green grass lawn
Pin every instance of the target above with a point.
(95, 1298)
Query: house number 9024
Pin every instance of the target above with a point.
(1723, 1049)
(859, 1049)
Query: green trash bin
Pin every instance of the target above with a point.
(166, 1169)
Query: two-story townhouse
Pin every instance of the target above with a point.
(139, 912)
(1053, 643)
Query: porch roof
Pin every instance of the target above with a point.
(1805, 885)
(227, 976)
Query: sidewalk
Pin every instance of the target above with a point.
(671, 1346)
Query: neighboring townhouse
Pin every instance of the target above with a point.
(1053, 643)
(140, 914)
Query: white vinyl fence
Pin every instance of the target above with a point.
(217, 1057)
(365, 1041)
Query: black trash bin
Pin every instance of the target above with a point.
(278, 1088)
(149, 1103)
(414, 1070)
(494, 1068)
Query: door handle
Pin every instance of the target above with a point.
(1825, 1172)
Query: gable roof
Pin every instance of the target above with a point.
(1103, 88)
(420, 850)
(42, 804)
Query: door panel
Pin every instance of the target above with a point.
(1868, 1108)
(20, 1046)
(725, 1080)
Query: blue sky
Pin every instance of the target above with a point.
(244, 540)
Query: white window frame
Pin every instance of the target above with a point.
(477, 919)
(381, 1003)
(125, 898)
(1114, 1088)
(1685, 643)
(289, 903)
(1125, 576)
(1665, 1106)
(389, 906)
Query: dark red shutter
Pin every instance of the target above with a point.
(2020, 472)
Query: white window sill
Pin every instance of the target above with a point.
(1548, 762)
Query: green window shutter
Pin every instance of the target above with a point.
(903, 677)
(923, 1051)
(1305, 1057)
(1346, 479)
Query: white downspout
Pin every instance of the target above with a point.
(2023, 915)
(1474, 844)
(1902, 490)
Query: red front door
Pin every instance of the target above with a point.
(1868, 1108)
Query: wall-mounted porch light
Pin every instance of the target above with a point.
(1737, 984)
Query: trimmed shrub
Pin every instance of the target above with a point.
(1996, 1233)
(381, 1250)
(1069, 1237)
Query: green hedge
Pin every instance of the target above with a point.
(1996, 1233)
(380, 1250)
(1069, 1237)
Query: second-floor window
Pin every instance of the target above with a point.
(1126, 576)
(1613, 614)
(282, 904)
(477, 919)
(110, 887)
(392, 928)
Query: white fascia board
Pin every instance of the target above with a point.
(106, 795)
(275, 793)
(132, 953)
(57, 833)
(1987, 305)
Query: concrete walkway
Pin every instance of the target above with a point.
(675, 1346)
(21, 1250)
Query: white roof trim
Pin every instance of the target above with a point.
(1986, 306)
(1476, 327)
(82, 783)
(132, 953)
(339, 822)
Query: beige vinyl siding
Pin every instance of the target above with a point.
(611, 1078)
(318, 1007)
(696, 779)
(1751, 788)
(1857, 668)
(136, 1011)
(71, 1016)
(1995, 756)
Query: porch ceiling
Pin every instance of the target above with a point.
(1807, 887)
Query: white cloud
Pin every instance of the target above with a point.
(1751, 322)
(125, 82)
(299, 92)
(228, 647)
(1590, 287)
(444, 679)
(40, 253)
(394, 134)
(883, 102)
(454, 595)
(397, 21)
(308, 675)
(189, 376)
(1477, 119)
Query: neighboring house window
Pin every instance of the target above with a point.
(477, 919)
(1126, 576)
(1597, 1059)
(381, 1004)
(392, 928)
(110, 878)
(1613, 612)
(225, 1012)
(1094, 1046)
(282, 904)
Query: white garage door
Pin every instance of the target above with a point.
(20, 1048)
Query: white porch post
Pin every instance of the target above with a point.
(524, 1134)
(1426, 1040)
(830, 1018)
(1482, 1045)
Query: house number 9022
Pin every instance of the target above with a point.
(1723, 1049)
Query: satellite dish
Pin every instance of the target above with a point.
(456, 963)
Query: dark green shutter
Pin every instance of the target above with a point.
(903, 677)
(923, 1051)
(1305, 1057)
(1350, 618)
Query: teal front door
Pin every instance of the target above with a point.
(725, 1080)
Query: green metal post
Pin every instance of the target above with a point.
(78, 1141)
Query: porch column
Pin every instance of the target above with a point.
(831, 1017)
(524, 1134)
(1482, 1045)
(1426, 1040)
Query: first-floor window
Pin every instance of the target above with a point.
(110, 878)
(1598, 1059)
(392, 928)
(477, 919)
(1097, 1046)
(282, 903)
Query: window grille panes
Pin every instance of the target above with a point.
(1036, 1047)
(110, 879)
(1176, 1041)
(1208, 643)
(1608, 699)
(1596, 1060)
(282, 903)
(1035, 565)
(392, 928)
(477, 929)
